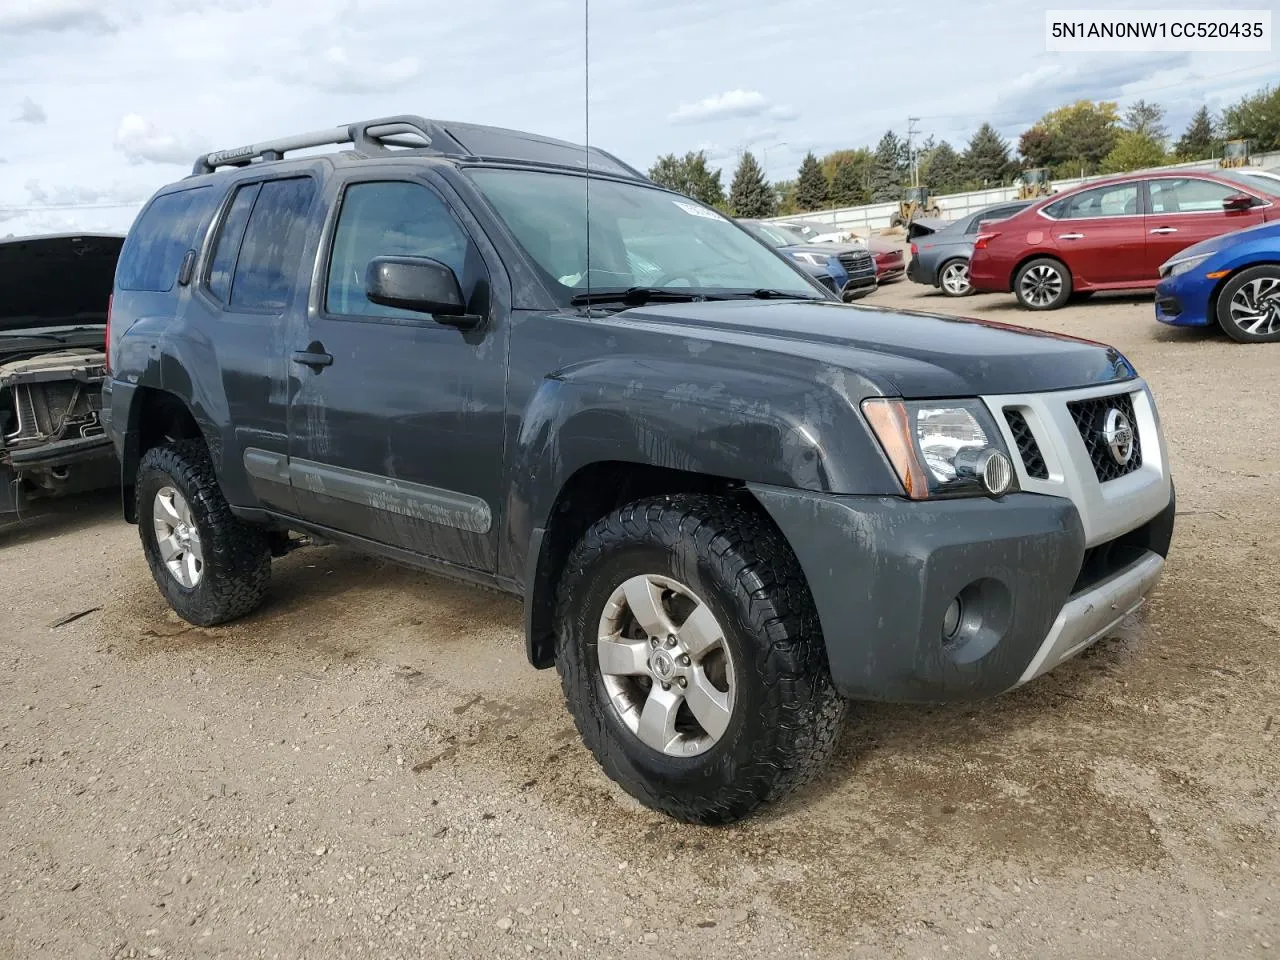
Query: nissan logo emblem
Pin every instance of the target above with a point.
(1117, 431)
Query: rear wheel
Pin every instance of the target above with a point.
(210, 566)
(953, 278)
(1042, 284)
(1249, 305)
(691, 658)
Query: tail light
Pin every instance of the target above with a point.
(981, 240)
(914, 250)
(106, 345)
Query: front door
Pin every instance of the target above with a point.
(1186, 210)
(1099, 235)
(397, 420)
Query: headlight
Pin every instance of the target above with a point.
(1171, 268)
(816, 259)
(941, 448)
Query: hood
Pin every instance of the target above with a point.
(903, 353)
(1262, 231)
(57, 279)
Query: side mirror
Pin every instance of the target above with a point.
(420, 284)
(1237, 201)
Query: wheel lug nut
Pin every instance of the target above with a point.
(665, 685)
(671, 641)
(653, 642)
(682, 681)
(684, 660)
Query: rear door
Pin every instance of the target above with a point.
(1100, 234)
(1186, 210)
(248, 286)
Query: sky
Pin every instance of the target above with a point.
(104, 101)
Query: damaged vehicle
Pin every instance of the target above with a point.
(54, 297)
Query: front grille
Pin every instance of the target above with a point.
(1028, 449)
(858, 265)
(1091, 417)
(828, 281)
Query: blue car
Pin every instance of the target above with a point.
(1232, 280)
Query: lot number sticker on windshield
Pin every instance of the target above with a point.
(697, 211)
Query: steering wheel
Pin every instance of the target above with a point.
(666, 278)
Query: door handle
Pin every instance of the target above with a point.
(1165, 230)
(1071, 236)
(314, 357)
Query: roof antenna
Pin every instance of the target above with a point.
(586, 105)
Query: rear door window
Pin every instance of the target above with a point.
(230, 233)
(160, 238)
(274, 237)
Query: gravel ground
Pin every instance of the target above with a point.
(368, 767)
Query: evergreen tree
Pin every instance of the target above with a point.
(1146, 119)
(690, 175)
(986, 159)
(848, 184)
(1200, 141)
(750, 194)
(941, 171)
(811, 184)
(888, 170)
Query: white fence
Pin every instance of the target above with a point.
(876, 216)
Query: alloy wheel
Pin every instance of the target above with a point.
(177, 537)
(665, 665)
(1255, 308)
(1041, 285)
(955, 279)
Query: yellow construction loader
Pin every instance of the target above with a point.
(915, 203)
(1034, 183)
(1235, 153)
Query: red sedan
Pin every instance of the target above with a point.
(1114, 234)
(890, 262)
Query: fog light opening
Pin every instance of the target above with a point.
(951, 619)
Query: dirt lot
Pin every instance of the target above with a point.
(368, 767)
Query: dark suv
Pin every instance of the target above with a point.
(729, 502)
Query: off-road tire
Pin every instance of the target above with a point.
(237, 556)
(1063, 293)
(787, 714)
(1266, 271)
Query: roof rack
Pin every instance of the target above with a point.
(418, 135)
(368, 137)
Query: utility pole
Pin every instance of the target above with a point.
(911, 149)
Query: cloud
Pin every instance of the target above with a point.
(141, 141)
(56, 16)
(30, 112)
(731, 105)
(338, 73)
(1066, 81)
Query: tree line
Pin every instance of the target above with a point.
(1080, 139)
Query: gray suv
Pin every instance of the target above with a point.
(729, 503)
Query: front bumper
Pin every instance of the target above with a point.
(57, 469)
(1174, 307)
(857, 289)
(883, 571)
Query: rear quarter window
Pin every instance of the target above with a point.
(160, 238)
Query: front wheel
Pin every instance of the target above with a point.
(210, 566)
(1043, 284)
(691, 658)
(1249, 305)
(953, 278)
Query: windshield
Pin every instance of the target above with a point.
(640, 237)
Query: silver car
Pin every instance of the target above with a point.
(941, 259)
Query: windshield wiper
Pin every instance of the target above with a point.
(34, 336)
(638, 296)
(767, 293)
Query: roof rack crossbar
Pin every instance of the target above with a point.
(368, 136)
